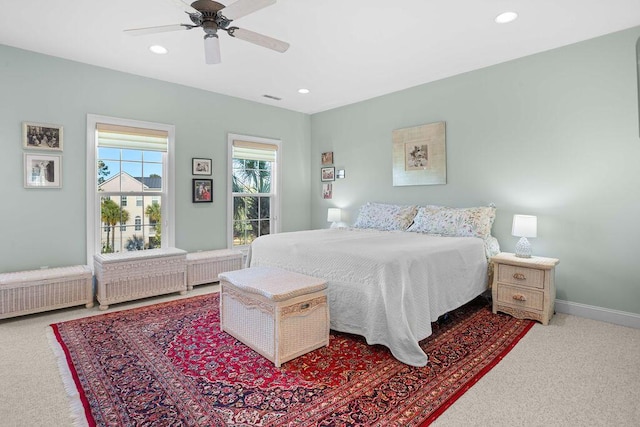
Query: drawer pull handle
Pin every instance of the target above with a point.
(519, 297)
(519, 276)
(304, 306)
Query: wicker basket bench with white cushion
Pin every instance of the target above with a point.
(126, 276)
(279, 314)
(204, 267)
(34, 291)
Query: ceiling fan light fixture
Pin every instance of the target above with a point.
(158, 50)
(303, 91)
(506, 17)
(212, 49)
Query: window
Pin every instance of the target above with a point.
(253, 202)
(127, 158)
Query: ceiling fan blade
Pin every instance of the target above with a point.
(186, 7)
(259, 39)
(211, 49)
(160, 29)
(244, 7)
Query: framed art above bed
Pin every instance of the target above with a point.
(420, 155)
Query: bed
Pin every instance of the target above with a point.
(387, 282)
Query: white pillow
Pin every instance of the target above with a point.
(383, 216)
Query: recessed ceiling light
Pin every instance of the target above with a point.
(303, 90)
(506, 17)
(160, 50)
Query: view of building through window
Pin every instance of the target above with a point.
(129, 184)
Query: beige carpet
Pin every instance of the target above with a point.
(573, 372)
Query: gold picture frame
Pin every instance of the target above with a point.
(419, 155)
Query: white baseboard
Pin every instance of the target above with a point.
(622, 318)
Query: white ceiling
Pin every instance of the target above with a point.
(343, 51)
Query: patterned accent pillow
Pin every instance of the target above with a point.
(460, 222)
(383, 216)
(491, 246)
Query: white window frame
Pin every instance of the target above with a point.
(274, 221)
(93, 199)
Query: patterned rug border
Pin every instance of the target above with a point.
(79, 404)
(447, 404)
(81, 409)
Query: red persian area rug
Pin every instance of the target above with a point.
(169, 365)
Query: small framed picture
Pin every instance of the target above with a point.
(42, 171)
(327, 158)
(340, 174)
(202, 190)
(41, 136)
(327, 191)
(328, 174)
(200, 166)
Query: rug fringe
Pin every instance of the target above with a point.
(75, 402)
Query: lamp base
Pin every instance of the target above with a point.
(523, 248)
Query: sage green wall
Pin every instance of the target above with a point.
(553, 135)
(47, 226)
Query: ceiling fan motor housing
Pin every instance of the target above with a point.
(209, 18)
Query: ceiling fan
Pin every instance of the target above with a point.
(212, 16)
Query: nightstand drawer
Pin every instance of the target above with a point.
(520, 297)
(521, 276)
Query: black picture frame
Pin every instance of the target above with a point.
(202, 190)
(328, 174)
(200, 166)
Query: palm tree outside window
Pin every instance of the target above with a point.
(131, 162)
(253, 190)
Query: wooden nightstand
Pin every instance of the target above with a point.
(524, 287)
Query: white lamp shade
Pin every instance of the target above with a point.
(333, 215)
(525, 226)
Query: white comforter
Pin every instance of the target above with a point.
(385, 286)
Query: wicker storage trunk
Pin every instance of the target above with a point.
(204, 267)
(279, 314)
(125, 276)
(33, 291)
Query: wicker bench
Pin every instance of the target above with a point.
(126, 276)
(34, 291)
(279, 314)
(204, 267)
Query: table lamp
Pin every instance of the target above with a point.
(524, 226)
(334, 216)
